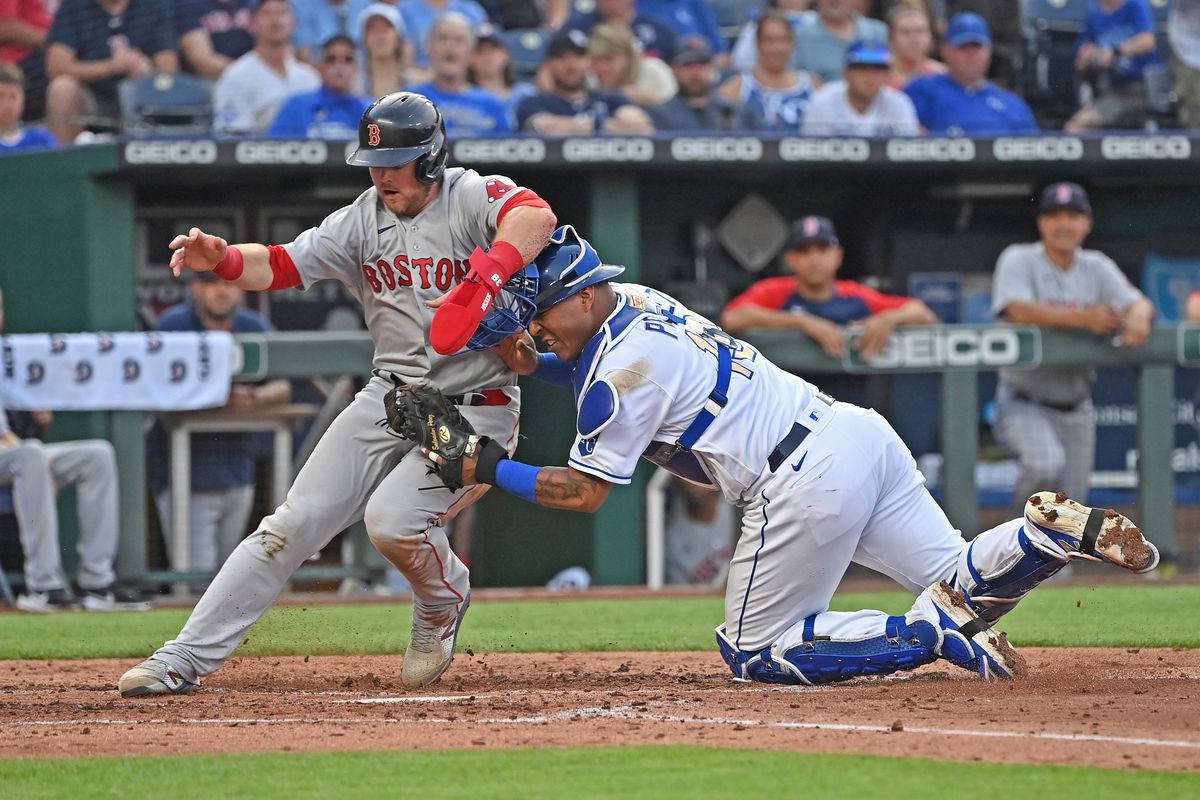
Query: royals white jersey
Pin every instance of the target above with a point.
(662, 372)
(392, 265)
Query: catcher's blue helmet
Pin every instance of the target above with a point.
(566, 265)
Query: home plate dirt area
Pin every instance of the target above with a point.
(1126, 708)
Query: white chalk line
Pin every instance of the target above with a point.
(628, 712)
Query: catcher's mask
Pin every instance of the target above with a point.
(512, 310)
(399, 128)
(566, 265)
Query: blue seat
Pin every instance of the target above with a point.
(1167, 281)
(166, 103)
(527, 49)
(6, 502)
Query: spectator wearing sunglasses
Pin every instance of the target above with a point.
(332, 111)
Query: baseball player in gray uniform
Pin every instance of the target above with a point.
(399, 248)
(1045, 416)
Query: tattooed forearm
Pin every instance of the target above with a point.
(563, 487)
(528, 229)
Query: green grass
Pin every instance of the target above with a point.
(607, 772)
(1111, 616)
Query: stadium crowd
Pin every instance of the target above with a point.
(306, 68)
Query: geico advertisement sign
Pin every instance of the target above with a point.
(743, 148)
(1148, 147)
(953, 346)
(608, 149)
(281, 152)
(502, 151)
(171, 152)
(1038, 148)
(824, 149)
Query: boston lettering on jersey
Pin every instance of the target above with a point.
(421, 273)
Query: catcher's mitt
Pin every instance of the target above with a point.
(424, 415)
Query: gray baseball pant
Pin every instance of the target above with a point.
(1056, 449)
(35, 470)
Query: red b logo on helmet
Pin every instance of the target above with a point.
(373, 134)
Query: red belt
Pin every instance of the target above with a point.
(487, 397)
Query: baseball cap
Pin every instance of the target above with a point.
(1064, 194)
(812, 230)
(968, 28)
(487, 32)
(205, 276)
(385, 10)
(570, 40)
(693, 50)
(868, 53)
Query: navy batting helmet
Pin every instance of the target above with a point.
(399, 128)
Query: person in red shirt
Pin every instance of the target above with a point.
(23, 27)
(811, 300)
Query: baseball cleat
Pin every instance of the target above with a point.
(1095, 534)
(154, 677)
(431, 650)
(968, 641)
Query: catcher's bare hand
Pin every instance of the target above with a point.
(519, 353)
(197, 251)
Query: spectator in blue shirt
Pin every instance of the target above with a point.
(419, 16)
(1116, 48)
(222, 468)
(91, 47)
(570, 108)
(13, 135)
(467, 110)
(212, 34)
(963, 102)
(331, 112)
(688, 19)
(317, 21)
(656, 37)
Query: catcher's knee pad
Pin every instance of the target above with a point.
(993, 597)
(903, 645)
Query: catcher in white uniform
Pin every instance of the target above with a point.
(400, 248)
(821, 483)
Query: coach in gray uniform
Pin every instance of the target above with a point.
(1045, 416)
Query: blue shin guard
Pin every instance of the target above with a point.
(994, 597)
(816, 660)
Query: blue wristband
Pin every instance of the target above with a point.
(553, 370)
(518, 479)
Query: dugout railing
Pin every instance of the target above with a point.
(958, 353)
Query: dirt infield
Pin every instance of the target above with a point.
(1137, 709)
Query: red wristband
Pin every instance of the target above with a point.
(230, 267)
(508, 258)
(495, 267)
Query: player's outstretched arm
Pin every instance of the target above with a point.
(247, 265)
(553, 487)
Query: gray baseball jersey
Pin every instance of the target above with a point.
(1025, 274)
(394, 264)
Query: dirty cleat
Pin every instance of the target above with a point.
(154, 677)
(968, 641)
(431, 650)
(1095, 534)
